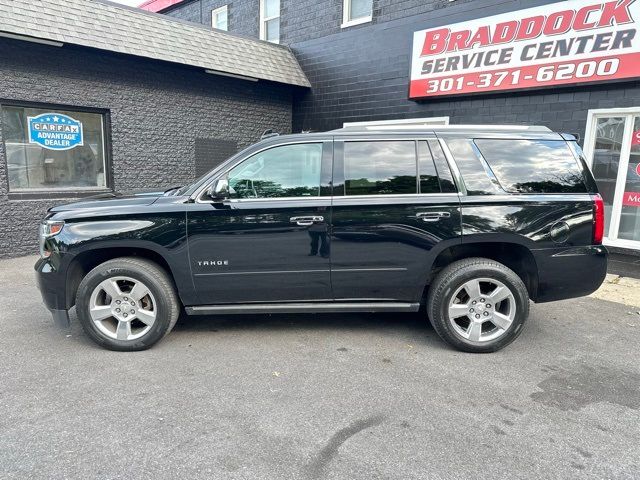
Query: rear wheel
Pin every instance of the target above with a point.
(127, 304)
(478, 305)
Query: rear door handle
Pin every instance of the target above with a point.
(306, 221)
(433, 216)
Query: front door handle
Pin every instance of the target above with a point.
(306, 221)
(433, 216)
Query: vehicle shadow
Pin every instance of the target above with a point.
(407, 325)
(412, 328)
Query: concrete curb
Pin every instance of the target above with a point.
(619, 289)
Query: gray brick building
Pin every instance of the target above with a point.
(149, 123)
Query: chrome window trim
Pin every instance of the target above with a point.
(275, 200)
(328, 200)
(197, 196)
(396, 196)
(528, 197)
(385, 139)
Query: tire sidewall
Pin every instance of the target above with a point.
(100, 274)
(505, 276)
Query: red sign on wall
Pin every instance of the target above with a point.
(631, 199)
(635, 140)
(564, 43)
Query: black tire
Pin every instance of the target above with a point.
(167, 308)
(452, 278)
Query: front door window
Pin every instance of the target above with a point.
(280, 172)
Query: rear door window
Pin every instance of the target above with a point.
(380, 168)
(533, 166)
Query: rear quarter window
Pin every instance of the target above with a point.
(533, 166)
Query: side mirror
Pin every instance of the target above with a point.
(219, 191)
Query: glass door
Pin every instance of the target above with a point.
(629, 229)
(612, 145)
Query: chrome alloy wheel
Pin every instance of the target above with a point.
(122, 308)
(482, 310)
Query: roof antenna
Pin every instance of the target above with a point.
(268, 134)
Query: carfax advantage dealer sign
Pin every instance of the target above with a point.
(563, 43)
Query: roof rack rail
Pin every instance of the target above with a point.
(520, 128)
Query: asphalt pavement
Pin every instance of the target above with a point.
(318, 397)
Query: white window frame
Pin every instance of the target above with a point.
(264, 20)
(611, 237)
(348, 22)
(408, 122)
(217, 11)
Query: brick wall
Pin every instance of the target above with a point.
(157, 111)
(362, 73)
(244, 15)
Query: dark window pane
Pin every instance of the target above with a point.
(447, 185)
(286, 171)
(52, 149)
(469, 163)
(211, 152)
(428, 174)
(533, 166)
(380, 168)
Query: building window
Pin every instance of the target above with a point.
(355, 12)
(270, 20)
(220, 18)
(53, 149)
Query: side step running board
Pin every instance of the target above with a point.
(324, 307)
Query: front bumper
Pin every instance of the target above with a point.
(52, 286)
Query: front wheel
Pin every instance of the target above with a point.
(127, 304)
(478, 305)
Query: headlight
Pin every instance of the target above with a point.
(48, 229)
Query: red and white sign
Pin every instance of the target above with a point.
(635, 140)
(631, 199)
(565, 43)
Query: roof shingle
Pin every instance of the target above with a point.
(116, 28)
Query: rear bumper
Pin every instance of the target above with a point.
(51, 284)
(569, 273)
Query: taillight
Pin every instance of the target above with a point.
(598, 219)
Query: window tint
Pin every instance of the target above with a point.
(467, 157)
(447, 185)
(533, 166)
(428, 174)
(286, 171)
(380, 168)
(52, 149)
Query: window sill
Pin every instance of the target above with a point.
(357, 21)
(55, 195)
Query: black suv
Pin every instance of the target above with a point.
(471, 222)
